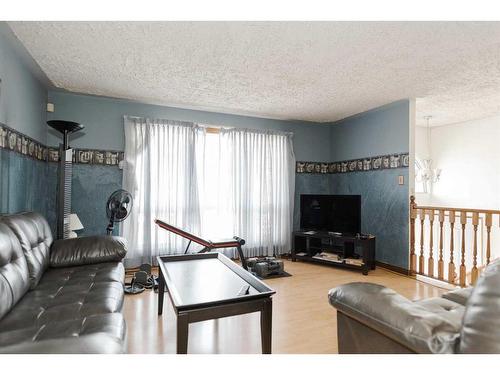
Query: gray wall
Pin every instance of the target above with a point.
(24, 183)
(385, 205)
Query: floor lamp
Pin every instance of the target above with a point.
(64, 175)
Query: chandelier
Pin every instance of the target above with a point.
(426, 173)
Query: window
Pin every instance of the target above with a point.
(215, 221)
(237, 182)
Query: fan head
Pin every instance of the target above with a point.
(119, 205)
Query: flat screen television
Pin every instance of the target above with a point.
(333, 213)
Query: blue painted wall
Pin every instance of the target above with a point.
(24, 184)
(92, 185)
(23, 97)
(381, 131)
(385, 206)
(103, 120)
(377, 132)
(27, 184)
(384, 210)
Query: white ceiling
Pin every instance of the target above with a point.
(316, 71)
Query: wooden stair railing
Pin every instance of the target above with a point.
(451, 266)
(472, 255)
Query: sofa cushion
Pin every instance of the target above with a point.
(92, 343)
(450, 311)
(65, 294)
(14, 277)
(87, 250)
(101, 272)
(481, 325)
(33, 232)
(111, 325)
(459, 295)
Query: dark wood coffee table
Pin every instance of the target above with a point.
(205, 286)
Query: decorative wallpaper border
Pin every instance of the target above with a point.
(12, 140)
(89, 156)
(15, 141)
(357, 165)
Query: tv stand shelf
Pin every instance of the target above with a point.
(346, 251)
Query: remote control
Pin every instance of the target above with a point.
(244, 290)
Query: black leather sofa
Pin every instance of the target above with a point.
(374, 319)
(59, 297)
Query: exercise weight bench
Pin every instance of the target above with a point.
(208, 245)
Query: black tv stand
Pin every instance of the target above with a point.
(351, 251)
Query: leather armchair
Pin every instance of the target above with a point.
(374, 319)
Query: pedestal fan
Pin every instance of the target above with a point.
(118, 208)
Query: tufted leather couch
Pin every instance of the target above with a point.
(374, 319)
(59, 297)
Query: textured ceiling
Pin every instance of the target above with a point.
(316, 71)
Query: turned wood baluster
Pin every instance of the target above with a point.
(488, 222)
(430, 265)
(413, 216)
(440, 261)
(421, 259)
(463, 221)
(451, 265)
(474, 273)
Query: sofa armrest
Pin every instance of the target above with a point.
(97, 343)
(460, 296)
(87, 250)
(392, 315)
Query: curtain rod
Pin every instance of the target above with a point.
(213, 129)
(216, 129)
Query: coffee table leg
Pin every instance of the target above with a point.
(266, 325)
(161, 292)
(182, 333)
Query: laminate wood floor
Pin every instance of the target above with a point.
(303, 320)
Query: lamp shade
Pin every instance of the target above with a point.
(74, 222)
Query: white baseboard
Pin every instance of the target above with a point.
(438, 283)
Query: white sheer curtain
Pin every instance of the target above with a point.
(237, 182)
(249, 191)
(160, 172)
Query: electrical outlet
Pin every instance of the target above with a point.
(401, 180)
